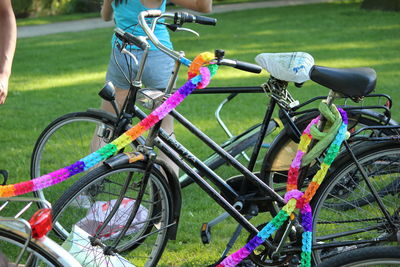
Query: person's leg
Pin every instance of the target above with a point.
(118, 65)
(3, 261)
(121, 85)
(120, 95)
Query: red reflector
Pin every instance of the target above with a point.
(41, 223)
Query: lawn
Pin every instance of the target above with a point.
(62, 73)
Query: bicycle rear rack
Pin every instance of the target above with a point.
(17, 223)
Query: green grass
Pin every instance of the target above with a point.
(61, 73)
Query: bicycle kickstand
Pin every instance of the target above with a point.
(205, 232)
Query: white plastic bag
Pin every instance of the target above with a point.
(99, 211)
(290, 67)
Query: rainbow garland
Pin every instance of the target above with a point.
(295, 198)
(199, 77)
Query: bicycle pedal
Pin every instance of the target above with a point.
(205, 234)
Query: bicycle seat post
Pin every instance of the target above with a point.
(320, 126)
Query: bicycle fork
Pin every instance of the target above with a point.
(111, 249)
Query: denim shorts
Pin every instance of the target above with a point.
(156, 74)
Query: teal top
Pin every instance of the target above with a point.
(126, 18)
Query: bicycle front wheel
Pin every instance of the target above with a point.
(370, 256)
(146, 236)
(344, 207)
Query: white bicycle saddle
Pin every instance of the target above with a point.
(290, 67)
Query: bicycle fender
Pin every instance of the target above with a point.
(102, 113)
(175, 187)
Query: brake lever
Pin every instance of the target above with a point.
(124, 51)
(188, 30)
(175, 27)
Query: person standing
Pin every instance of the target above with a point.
(8, 39)
(158, 66)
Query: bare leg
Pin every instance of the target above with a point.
(120, 96)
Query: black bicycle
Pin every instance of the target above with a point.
(155, 201)
(73, 134)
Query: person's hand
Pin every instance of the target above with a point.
(106, 10)
(3, 89)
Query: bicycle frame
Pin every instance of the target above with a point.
(170, 146)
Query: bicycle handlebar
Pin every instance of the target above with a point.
(157, 14)
(180, 18)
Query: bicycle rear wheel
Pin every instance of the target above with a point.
(344, 208)
(370, 256)
(37, 254)
(283, 149)
(148, 234)
(66, 140)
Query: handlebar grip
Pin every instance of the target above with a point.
(183, 17)
(130, 38)
(241, 65)
(205, 20)
(153, 13)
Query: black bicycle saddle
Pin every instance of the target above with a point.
(352, 82)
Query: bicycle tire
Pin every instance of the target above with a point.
(369, 256)
(102, 186)
(333, 223)
(64, 141)
(12, 239)
(279, 157)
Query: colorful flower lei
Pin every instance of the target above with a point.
(295, 198)
(200, 73)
